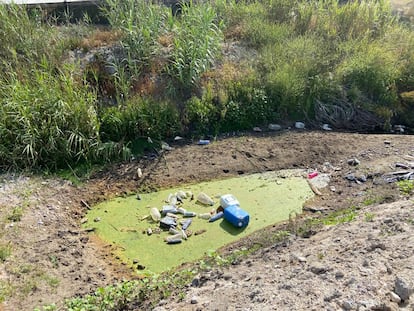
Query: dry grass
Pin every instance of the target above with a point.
(101, 37)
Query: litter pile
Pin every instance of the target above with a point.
(176, 220)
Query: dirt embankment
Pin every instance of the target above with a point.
(51, 258)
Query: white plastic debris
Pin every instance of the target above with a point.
(326, 127)
(299, 125)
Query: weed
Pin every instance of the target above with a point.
(16, 214)
(51, 280)
(369, 217)
(6, 290)
(5, 251)
(406, 186)
(54, 261)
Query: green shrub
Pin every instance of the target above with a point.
(197, 42)
(139, 118)
(46, 119)
(370, 74)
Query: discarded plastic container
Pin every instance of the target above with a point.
(169, 209)
(216, 217)
(204, 216)
(236, 216)
(174, 239)
(181, 195)
(172, 199)
(181, 210)
(274, 127)
(172, 230)
(167, 223)
(227, 200)
(189, 214)
(204, 199)
(203, 142)
(155, 214)
(312, 175)
(185, 224)
(299, 125)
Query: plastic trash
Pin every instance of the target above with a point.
(274, 127)
(174, 239)
(227, 200)
(300, 125)
(204, 216)
(181, 195)
(204, 199)
(168, 222)
(186, 223)
(166, 147)
(169, 209)
(312, 175)
(326, 127)
(189, 214)
(173, 231)
(181, 210)
(183, 234)
(216, 217)
(236, 216)
(172, 199)
(203, 142)
(155, 214)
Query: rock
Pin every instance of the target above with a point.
(140, 267)
(135, 261)
(394, 297)
(301, 259)
(159, 309)
(194, 300)
(318, 268)
(376, 245)
(347, 305)
(257, 129)
(335, 294)
(195, 282)
(387, 142)
(339, 275)
(402, 289)
(353, 162)
(97, 219)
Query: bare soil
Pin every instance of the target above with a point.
(52, 258)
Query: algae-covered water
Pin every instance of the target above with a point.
(268, 198)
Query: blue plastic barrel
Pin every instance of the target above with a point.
(236, 216)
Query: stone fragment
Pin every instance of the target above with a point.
(394, 297)
(353, 162)
(402, 289)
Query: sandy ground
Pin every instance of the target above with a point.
(52, 258)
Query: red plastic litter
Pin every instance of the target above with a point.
(312, 175)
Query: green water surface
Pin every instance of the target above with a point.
(268, 197)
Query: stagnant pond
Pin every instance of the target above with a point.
(268, 197)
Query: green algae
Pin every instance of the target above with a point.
(269, 198)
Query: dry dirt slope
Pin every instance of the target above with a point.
(52, 259)
(359, 265)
